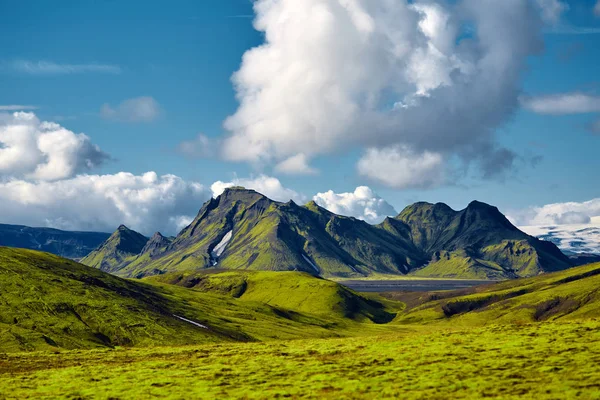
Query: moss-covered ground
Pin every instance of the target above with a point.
(70, 331)
(541, 361)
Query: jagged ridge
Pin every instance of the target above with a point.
(256, 233)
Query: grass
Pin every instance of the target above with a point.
(291, 291)
(70, 331)
(541, 361)
(48, 302)
(570, 294)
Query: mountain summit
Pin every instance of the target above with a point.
(243, 229)
(478, 241)
(121, 247)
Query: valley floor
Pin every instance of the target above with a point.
(541, 361)
(411, 284)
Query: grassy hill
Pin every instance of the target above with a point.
(244, 230)
(291, 291)
(50, 302)
(565, 295)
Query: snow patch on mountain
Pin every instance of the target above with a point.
(220, 248)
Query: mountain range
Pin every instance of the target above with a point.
(67, 244)
(243, 229)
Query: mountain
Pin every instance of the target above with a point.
(122, 246)
(243, 229)
(477, 242)
(49, 302)
(584, 258)
(63, 243)
(156, 244)
(572, 239)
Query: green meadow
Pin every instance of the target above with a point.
(71, 331)
(541, 361)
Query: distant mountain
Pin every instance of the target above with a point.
(242, 229)
(477, 242)
(571, 239)
(67, 244)
(123, 246)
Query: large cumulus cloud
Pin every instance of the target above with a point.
(428, 77)
(557, 213)
(363, 204)
(145, 202)
(35, 149)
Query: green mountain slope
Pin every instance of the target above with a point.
(565, 295)
(47, 302)
(477, 242)
(244, 230)
(123, 246)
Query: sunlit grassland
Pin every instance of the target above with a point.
(543, 361)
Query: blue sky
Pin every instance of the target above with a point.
(68, 59)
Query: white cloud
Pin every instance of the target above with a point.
(557, 213)
(34, 149)
(363, 204)
(145, 202)
(15, 107)
(552, 9)
(297, 164)
(139, 109)
(199, 147)
(570, 238)
(597, 9)
(267, 185)
(52, 68)
(562, 104)
(400, 167)
(333, 75)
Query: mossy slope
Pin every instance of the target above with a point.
(565, 295)
(244, 230)
(291, 291)
(48, 302)
(267, 235)
(477, 242)
(123, 246)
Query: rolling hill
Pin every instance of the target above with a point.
(573, 294)
(50, 302)
(243, 229)
(67, 244)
